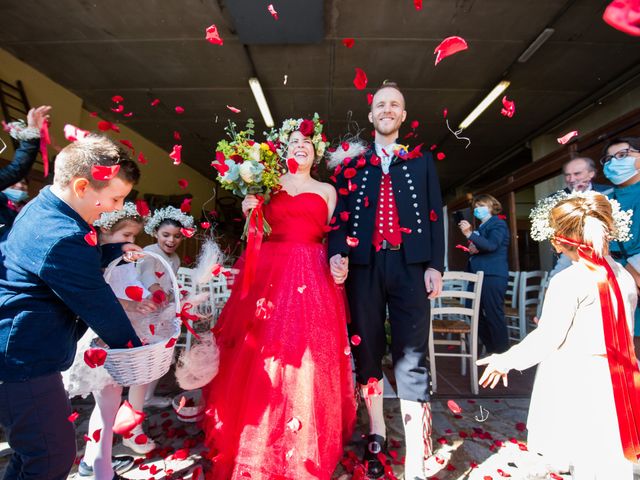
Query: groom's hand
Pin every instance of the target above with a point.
(339, 267)
(433, 282)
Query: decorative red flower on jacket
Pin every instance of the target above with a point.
(306, 128)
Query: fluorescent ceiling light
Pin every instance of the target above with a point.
(536, 44)
(258, 94)
(482, 106)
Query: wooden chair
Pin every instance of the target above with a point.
(446, 320)
(531, 288)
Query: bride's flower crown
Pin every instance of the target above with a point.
(308, 127)
(108, 219)
(540, 217)
(167, 213)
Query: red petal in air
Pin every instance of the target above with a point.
(170, 343)
(343, 191)
(188, 232)
(159, 297)
(433, 216)
(128, 114)
(142, 207)
(292, 165)
(440, 156)
(405, 230)
(449, 46)
(134, 293)
(104, 173)
(205, 225)
(360, 80)
(417, 4)
(73, 417)
(213, 36)
(369, 98)
(415, 124)
(348, 42)
(445, 112)
(565, 138)
(176, 135)
(355, 340)
(350, 172)
(272, 11)
(118, 109)
(95, 357)
(141, 159)
(344, 216)
(624, 15)
(104, 126)
(233, 109)
(182, 183)
(127, 143)
(185, 206)
(73, 133)
(352, 242)
(155, 102)
(179, 110)
(375, 160)
(366, 202)
(92, 237)
(117, 99)
(176, 154)
(509, 107)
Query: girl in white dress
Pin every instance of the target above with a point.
(80, 380)
(585, 405)
(169, 226)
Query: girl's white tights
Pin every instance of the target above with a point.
(137, 394)
(98, 454)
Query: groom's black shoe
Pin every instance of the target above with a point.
(376, 444)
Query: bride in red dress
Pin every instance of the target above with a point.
(282, 404)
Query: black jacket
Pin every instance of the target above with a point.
(419, 202)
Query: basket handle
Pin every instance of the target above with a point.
(165, 264)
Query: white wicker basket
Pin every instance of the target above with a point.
(142, 365)
(189, 414)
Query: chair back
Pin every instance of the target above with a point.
(511, 295)
(457, 303)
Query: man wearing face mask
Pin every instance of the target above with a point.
(621, 162)
(489, 253)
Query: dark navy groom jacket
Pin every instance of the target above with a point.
(51, 277)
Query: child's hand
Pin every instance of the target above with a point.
(493, 373)
(132, 252)
(146, 306)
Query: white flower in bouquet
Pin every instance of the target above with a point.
(246, 171)
(254, 152)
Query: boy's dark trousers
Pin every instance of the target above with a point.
(34, 414)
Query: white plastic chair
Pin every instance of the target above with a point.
(531, 288)
(447, 320)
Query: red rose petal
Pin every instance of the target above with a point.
(417, 4)
(140, 439)
(509, 107)
(440, 156)
(141, 159)
(366, 202)
(369, 98)
(181, 404)
(205, 225)
(104, 173)
(352, 242)
(454, 407)
(521, 427)
(503, 473)
(117, 99)
(118, 109)
(176, 135)
(170, 343)
(233, 109)
(95, 357)
(188, 232)
(179, 110)
(176, 154)
(128, 114)
(127, 143)
(360, 80)
(463, 248)
(155, 102)
(624, 15)
(449, 46)
(433, 216)
(565, 138)
(212, 35)
(350, 172)
(159, 274)
(142, 207)
(159, 297)
(348, 42)
(415, 124)
(217, 268)
(73, 417)
(183, 183)
(96, 435)
(134, 293)
(292, 165)
(272, 11)
(355, 340)
(344, 216)
(152, 327)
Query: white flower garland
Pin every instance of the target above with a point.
(540, 217)
(293, 125)
(167, 213)
(109, 219)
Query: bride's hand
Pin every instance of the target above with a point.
(339, 267)
(249, 202)
(493, 373)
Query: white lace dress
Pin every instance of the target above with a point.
(572, 416)
(81, 379)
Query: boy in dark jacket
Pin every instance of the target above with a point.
(52, 279)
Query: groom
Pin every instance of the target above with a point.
(389, 237)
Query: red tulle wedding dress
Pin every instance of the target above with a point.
(282, 404)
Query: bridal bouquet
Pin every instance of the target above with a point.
(248, 167)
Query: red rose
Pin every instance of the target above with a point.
(306, 128)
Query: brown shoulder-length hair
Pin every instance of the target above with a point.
(492, 202)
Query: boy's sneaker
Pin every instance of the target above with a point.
(120, 464)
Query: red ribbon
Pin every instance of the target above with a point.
(255, 233)
(45, 141)
(623, 366)
(185, 316)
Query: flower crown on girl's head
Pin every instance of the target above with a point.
(308, 127)
(540, 217)
(167, 213)
(108, 219)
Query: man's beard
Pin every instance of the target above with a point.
(395, 127)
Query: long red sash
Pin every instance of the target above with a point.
(255, 233)
(623, 366)
(45, 141)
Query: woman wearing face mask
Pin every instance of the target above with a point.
(488, 250)
(621, 162)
